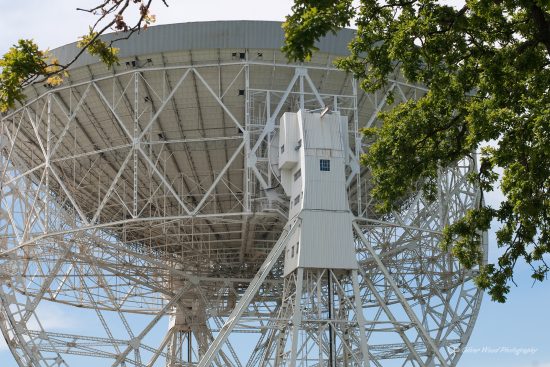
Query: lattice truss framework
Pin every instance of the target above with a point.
(148, 199)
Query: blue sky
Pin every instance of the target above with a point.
(514, 334)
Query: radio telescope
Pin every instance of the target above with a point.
(202, 204)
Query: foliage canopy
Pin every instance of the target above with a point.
(487, 70)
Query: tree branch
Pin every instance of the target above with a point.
(540, 18)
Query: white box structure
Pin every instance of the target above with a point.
(312, 160)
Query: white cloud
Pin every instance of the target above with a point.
(55, 317)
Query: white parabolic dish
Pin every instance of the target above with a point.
(143, 200)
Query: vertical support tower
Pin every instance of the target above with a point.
(321, 316)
